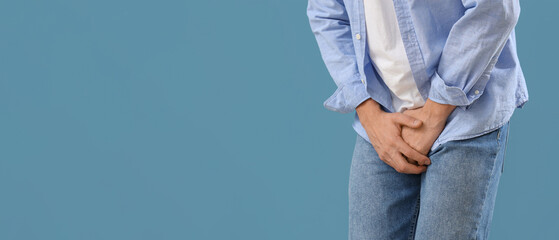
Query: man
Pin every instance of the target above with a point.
(433, 84)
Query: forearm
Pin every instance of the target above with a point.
(471, 51)
(330, 24)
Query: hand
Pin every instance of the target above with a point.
(433, 115)
(384, 131)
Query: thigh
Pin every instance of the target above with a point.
(459, 188)
(382, 201)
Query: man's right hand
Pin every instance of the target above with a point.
(385, 133)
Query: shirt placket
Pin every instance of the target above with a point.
(360, 36)
(411, 45)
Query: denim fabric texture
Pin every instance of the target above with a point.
(461, 53)
(453, 199)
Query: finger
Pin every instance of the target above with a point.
(412, 154)
(402, 166)
(411, 161)
(407, 120)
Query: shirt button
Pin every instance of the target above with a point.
(476, 91)
(362, 80)
(358, 36)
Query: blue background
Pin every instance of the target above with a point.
(203, 120)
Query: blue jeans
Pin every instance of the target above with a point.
(453, 199)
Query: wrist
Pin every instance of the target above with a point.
(368, 109)
(436, 111)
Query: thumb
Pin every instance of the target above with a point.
(407, 120)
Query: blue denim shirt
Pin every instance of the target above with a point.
(461, 53)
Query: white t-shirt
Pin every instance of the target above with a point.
(388, 55)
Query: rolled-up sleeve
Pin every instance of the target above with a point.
(330, 24)
(472, 48)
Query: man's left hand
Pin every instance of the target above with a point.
(434, 117)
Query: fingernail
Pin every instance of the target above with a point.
(415, 122)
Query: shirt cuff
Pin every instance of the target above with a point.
(442, 93)
(347, 97)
